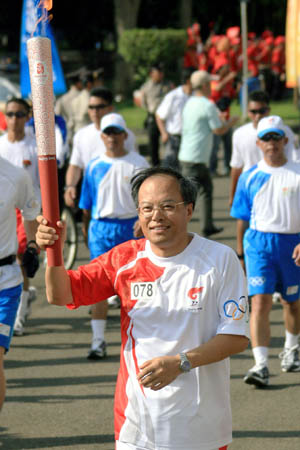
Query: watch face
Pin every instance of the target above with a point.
(185, 366)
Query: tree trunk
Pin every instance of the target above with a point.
(126, 13)
(185, 13)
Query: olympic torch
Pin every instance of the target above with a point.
(41, 80)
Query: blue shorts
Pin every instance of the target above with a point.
(269, 264)
(104, 234)
(9, 302)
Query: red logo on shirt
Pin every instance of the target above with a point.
(194, 291)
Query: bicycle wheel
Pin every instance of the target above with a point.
(71, 242)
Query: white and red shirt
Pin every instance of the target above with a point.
(170, 305)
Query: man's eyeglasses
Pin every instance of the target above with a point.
(259, 111)
(271, 136)
(167, 209)
(17, 114)
(101, 106)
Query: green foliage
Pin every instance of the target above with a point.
(143, 47)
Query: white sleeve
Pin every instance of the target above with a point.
(232, 298)
(163, 110)
(76, 156)
(61, 148)
(26, 199)
(236, 156)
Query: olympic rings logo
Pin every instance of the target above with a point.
(236, 310)
(257, 281)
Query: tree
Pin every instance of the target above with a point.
(185, 13)
(126, 13)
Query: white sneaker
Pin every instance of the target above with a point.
(290, 359)
(276, 297)
(19, 327)
(97, 352)
(31, 298)
(114, 302)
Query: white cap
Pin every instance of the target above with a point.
(113, 120)
(270, 124)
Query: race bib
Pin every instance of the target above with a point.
(143, 291)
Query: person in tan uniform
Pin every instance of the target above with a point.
(152, 93)
(63, 105)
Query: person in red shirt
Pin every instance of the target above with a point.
(222, 92)
(263, 58)
(278, 67)
(190, 58)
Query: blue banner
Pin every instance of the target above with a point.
(29, 28)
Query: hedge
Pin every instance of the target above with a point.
(143, 47)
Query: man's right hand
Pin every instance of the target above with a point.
(70, 196)
(46, 236)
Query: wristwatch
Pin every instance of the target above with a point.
(185, 364)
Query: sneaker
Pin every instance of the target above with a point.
(19, 327)
(31, 298)
(258, 377)
(276, 297)
(114, 302)
(290, 359)
(99, 352)
(213, 230)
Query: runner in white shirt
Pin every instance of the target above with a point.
(183, 313)
(19, 193)
(20, 149)
(245, 152)
(87, 143)
(268, 197)
(169, 119)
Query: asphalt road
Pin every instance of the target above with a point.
(57, 399)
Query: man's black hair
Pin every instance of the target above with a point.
(103, 93)
(20, 101)
(188, 188)
(259, 96)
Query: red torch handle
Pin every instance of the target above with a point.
(50, 203)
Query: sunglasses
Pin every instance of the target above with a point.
(271, 136)
(259, 111)
(18, 114)
(115, 131)
(101, 106)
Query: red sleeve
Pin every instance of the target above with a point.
(94, 282)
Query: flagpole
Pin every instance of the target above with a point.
(245, 57)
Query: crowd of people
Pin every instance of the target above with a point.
(265, 56)
(183, 297)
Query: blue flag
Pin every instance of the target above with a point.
(29, 28)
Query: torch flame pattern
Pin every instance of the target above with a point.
(40, 63)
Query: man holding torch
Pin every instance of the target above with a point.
(183, 313)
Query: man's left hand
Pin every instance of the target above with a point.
(30, 261)
(159, 372)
